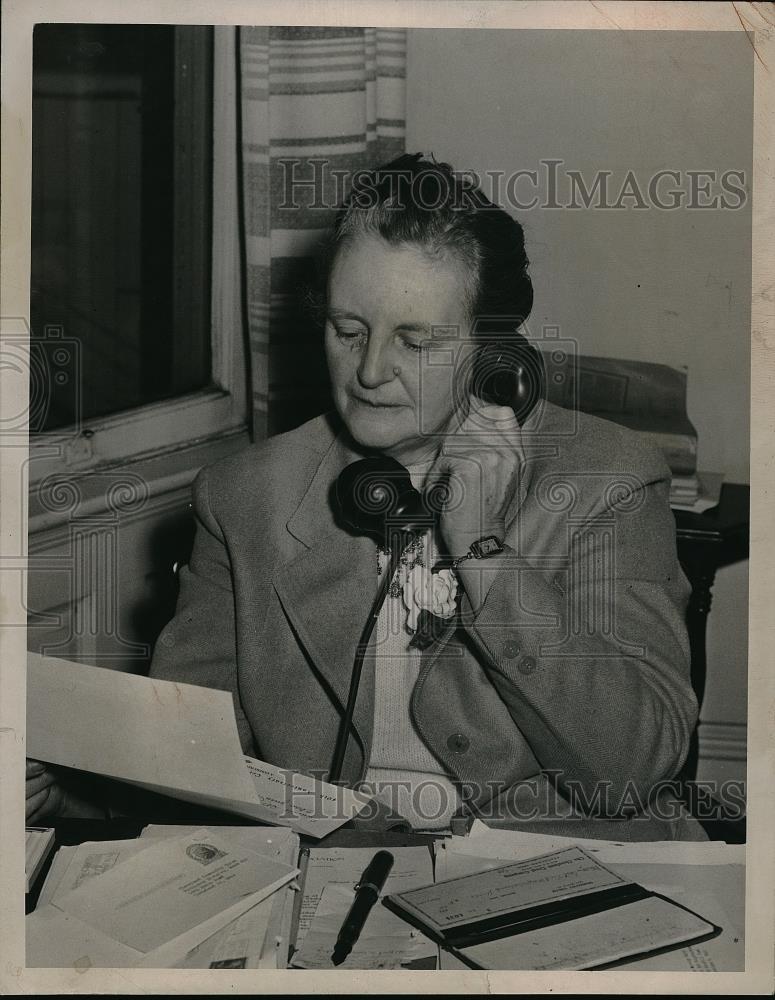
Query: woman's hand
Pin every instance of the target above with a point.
(482, 459)
(44, 797)
(47, 796)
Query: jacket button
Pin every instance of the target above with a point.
(511, 649)
(526, 665)
(458, 743)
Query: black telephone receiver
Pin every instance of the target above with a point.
(375, 496)
(508, 371)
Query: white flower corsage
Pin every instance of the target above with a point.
(435, 593)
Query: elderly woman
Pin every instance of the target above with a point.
(558, 680)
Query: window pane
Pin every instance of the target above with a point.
(121, 213)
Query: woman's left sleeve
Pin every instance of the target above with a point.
(591, 657)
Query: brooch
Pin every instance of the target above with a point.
(428, 595)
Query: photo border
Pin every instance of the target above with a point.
(18, 18)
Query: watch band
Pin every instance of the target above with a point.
(488, 546)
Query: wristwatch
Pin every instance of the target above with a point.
(488, 546)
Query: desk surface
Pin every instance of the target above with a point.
(75, 831)
(70, 832)
(717, 892)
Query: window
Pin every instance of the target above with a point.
(129, 353)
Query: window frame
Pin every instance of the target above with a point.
(220, 409)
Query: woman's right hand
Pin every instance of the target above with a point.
(45, 798)
(49, 795)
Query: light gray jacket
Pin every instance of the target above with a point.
(574, 673)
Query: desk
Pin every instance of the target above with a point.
(693, 881)
(706, 542)
(70, 832)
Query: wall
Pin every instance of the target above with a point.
(669, 286)
(100, 580)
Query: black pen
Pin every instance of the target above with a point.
(367, 892)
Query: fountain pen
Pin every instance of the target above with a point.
(367, 892)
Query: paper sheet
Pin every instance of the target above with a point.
(313, 807)
(412, 867)
(271, 841)
(174, 887)
(242, 943)
(259, 938)
(56, 940)
(274, 954)
(725, 953)
(91, 859)
(39, 843)
(277, 945)
(715, 891)
(725, 883)
(387, 941)
(237, 946)
(170, 737)
(278, 934)
(55, 874)
(175, 739)
(593, 939)
(340, 868)
(510, 888)
(513, 845)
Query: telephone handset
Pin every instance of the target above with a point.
(375, 495)
(509, 371)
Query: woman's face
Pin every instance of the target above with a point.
(397, 326)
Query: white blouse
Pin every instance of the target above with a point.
(402, 770)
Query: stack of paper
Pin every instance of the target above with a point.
(706, 876)
(260, 938)
(684, 489)
(705, 493)
(387, 942)
(150, 902)
(72, 866)
(512, 845)
(177, 739)
(39, 844)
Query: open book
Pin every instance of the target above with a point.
(562, 910)
(176, 739)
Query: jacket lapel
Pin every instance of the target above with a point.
(327, 591)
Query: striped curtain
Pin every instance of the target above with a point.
(316, 105)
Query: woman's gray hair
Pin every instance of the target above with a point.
(417, 201)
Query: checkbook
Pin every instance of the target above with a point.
(562, 910)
